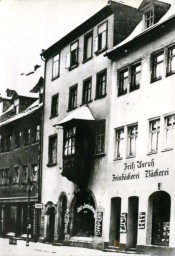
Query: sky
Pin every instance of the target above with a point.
(28, 26)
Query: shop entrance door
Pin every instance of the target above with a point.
(132, 222)
(160, 218)
(114, 236)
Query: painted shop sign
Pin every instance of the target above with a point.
(99, 224)
(17, 191)
(148, 173)
(86, 206)
(141, 220)
(66, 221)
(123, 222)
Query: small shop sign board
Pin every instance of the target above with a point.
(38, 206)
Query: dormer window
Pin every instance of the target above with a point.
(149, 18)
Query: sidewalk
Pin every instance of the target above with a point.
(40, 249)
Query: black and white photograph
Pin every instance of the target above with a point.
(87, 127)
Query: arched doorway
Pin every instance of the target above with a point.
(132, 223)
(159, 207)
(62, 212)
(50, 212)
(83, 209)
(114, 236)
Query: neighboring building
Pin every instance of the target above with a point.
(76, 127)
(20, 124)
(141, 166)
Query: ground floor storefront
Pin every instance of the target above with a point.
(15, 217)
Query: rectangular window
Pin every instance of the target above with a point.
(169, 131)
(123, 82)
(17, 139)
(26, 137)
(53, 149)
(157, 66)
(88, 46)
(101, 85)
(87, 86)
(25, 174)
(35, 169)
(100, 138)
(101, 39)
(171, 60)
(72, 97)
(6, 176)
(154, 135)
(74, 54)
(132, 140)
(2, 143)
(135, 76)
(55, 66)
(119, 143)
(54, 106)
(69, 141)
(149, 18)
(16, 176)
(2, 177)
(36, 134)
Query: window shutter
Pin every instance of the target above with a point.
(68, 60)
(96, 44)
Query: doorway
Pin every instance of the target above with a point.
(62, 210)
(132, 221)
(50, 224)
(114, 235)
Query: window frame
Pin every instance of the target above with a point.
(100, 125)
(18, 139)
(118, 144)
(151, 18)
(166, 129)
(151, 133)
(100, 95)
(129, 137)
(84, 89)
(68, 140)
(54, 110)
(51, 149)
(121, 79)
(86, 37)
(74, 65)
(35, 175)
(169, 66)
(16, 177)
(155, 63)
(25, 174)
(53, 64)
(74, 105)
(26, 140)
(99, 35)
(134, 73)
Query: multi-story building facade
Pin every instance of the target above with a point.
(76, 122)
(20, 124)
(141, 166)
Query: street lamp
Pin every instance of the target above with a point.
(29, 188)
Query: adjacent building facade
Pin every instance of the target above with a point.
(76, 127)
(20, 124)
(141, 163)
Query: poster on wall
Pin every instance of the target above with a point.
(141, 220)
(99, 224)
(123, 222)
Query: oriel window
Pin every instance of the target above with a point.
(69, 141)
(169, 132)
(132, 139)
(53, 149)
(72, 97)
(119, 143)
(123, 82)
(100, 138)
(154, 135)
(87, 86)
(56, 66)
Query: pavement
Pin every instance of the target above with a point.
(41, 249)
